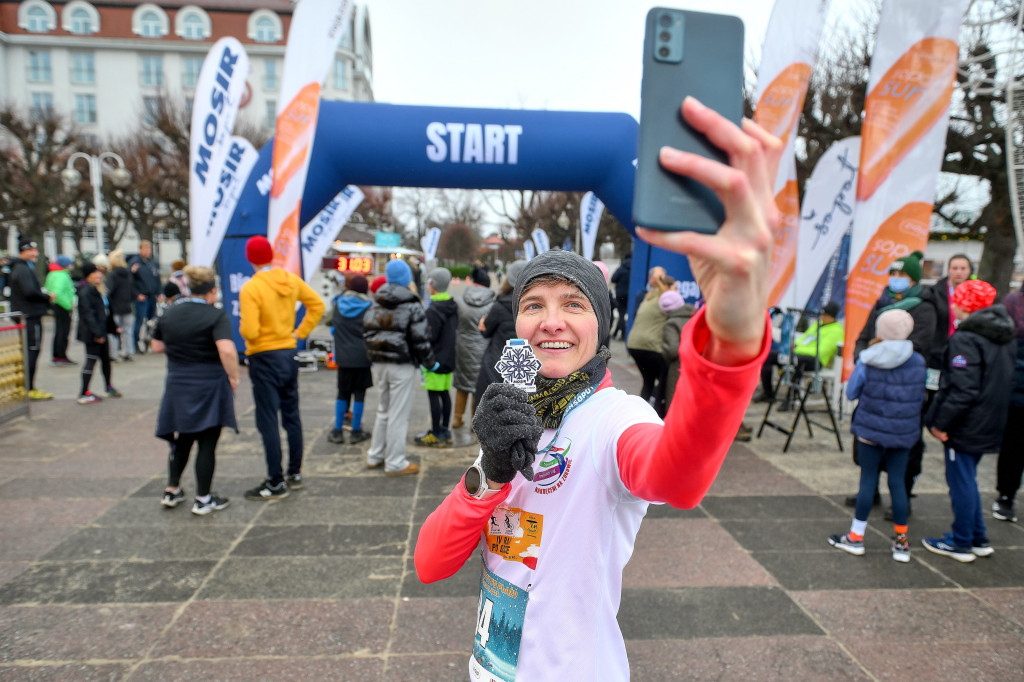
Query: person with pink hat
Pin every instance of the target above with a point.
(968, 414)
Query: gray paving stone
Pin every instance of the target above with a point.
(834, 569)
(324, 540)
(768, 507)
(101, 582)
(688, 613)
(299, 509)
(304, 578)
(172, 541)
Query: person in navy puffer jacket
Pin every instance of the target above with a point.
(888, 382)
(354, 375)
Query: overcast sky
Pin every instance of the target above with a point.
(579, 55)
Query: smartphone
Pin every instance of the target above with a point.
(685, 53)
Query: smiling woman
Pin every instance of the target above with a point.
(554, 541)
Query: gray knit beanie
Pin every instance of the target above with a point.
(576, 270)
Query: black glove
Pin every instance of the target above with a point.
(509, 430)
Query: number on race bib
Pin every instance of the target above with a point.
(483, 622)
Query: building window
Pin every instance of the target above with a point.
(271, 113)
(151, 108)
(149, 21)
(190, 75)
(37, 16)
(81, 22)
(270, 81)
(85, 108)
(152, 71)
(80, 18)
(340, 73)
(39, 67)
(42, 105)
(193, 27)
(264, 26)
(264, 30)
(83, 70)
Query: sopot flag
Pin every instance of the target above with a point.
(591, 209)
(316, 28)
(319, 234)
(826, 214)
(903, 139)
(237, 164)
(540, 240)
(218, 94)
(790, 48)
(429, 242)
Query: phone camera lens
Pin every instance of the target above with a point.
(664, 36)
(663, 51)
(665, 20)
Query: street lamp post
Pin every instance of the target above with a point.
(119, 176)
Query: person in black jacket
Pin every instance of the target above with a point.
(1010, 466)
(443, 320)
(95, 321)
(621, 281)
(146, 278)
(32, 301)
(499, 326)
(354, 375)
(969, 412)
(121, 293)
(397, 340)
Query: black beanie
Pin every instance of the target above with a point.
(576, 270)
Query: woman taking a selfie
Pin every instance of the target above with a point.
(556, 499)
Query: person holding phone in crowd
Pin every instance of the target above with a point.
(568, 472)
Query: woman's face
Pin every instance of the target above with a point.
(94, 277)
(561, 326)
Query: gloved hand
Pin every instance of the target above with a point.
(509, 430)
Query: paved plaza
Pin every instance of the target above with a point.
(98, 581)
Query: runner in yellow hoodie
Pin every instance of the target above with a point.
(267, 313)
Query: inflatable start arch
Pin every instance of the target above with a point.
(387, 145)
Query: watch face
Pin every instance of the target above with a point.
(473, 480)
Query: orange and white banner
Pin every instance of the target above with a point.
(790, 48)
(317, 27)
(903, 139)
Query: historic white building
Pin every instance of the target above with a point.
(105, 65)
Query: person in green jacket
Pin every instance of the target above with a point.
(825, 336)
(58, 281)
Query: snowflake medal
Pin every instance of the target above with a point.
(518, 365)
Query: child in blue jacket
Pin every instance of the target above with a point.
(888, 381)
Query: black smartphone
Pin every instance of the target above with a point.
(685, 53)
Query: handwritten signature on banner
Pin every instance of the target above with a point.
(840, 202)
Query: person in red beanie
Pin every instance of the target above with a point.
(267, 324)
(377, 283)
(968, 414)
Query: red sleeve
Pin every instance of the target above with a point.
(677, 463)
(452, 532)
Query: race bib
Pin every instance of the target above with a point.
(514, 535)
(499, 629)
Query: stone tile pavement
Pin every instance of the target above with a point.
(99, 582)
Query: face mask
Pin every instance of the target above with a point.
(898, 285)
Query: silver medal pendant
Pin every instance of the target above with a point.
(518, 365)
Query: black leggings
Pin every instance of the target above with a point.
(654, 370)
(1010, 464)
(206, 458)
(93, 352)
(440, 410)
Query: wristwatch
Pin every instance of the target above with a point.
(476, 483)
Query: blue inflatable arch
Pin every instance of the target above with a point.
(408, 146)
